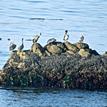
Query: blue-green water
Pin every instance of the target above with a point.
(25, 18)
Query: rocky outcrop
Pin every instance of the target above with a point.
(56, 65)
(61, 71)
(2, 75)
(84, 52)
(82, 45)
(55, 48)
(71, 48)
(38, 49)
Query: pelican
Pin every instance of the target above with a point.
(81, 39)
(21, 46)
(66, 36)
(36, 38)
(12, 46)
(52, 40)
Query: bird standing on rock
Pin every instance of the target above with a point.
(36, 38)
(66, 36)
(81, 39)
(12, 46)
(21, 46)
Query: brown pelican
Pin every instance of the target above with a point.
(52, 40)
(66, 36)
(36, 38)
(12, 46)
(21, 46)
(81, 39)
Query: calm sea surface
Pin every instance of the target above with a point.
(25, 18)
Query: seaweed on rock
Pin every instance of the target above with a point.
(59, 69)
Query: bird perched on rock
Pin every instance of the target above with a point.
(81, 39)
(35, 39)
(66, 36)
(12, 46)
(21, 46)
(52, 40)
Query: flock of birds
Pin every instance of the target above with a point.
(35, 39)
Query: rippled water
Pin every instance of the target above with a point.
(56, 98)
(25, 18)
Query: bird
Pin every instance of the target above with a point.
(52, 40)
(0, 38)
(12, 46)
(66, 36)
(8, 39)
(81, 39)
(36, 38)
(21, 46)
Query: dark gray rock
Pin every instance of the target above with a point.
(61, 71)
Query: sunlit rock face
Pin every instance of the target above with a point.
(55, 48)
(71, 47)
(82, 45)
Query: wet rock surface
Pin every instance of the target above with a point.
(62, 71)
(64, 65)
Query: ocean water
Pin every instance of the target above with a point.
(53, 98)
(26, 18)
